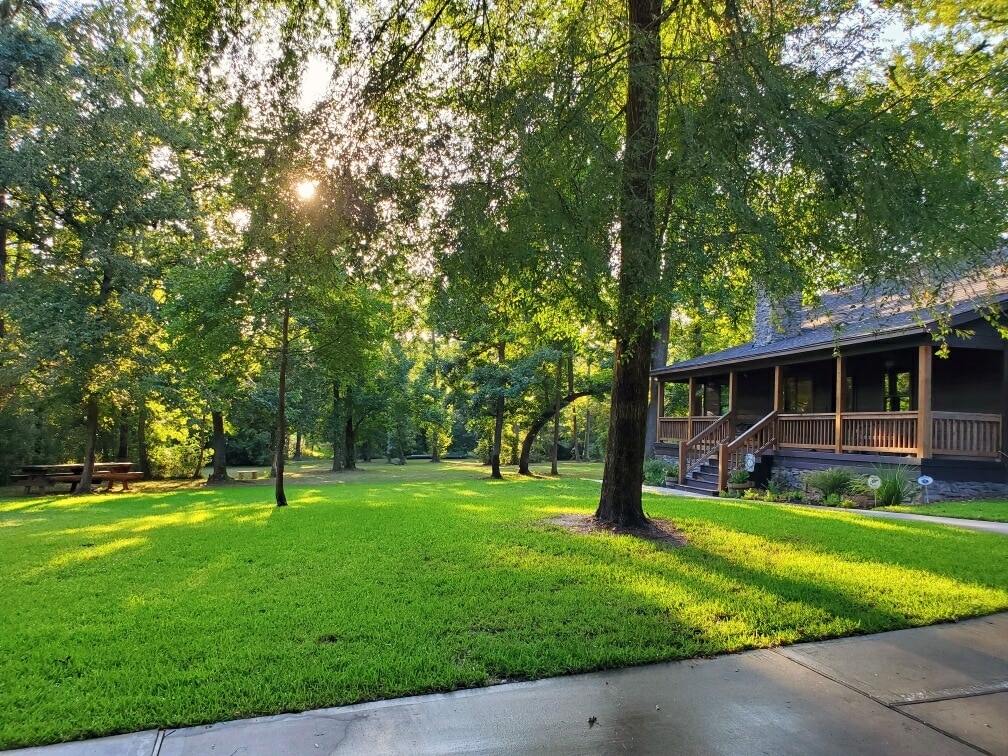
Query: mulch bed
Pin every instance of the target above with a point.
(658, 531)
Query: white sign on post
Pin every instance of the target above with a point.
(875, 483)
(924, 481)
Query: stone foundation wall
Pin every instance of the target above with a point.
(940, 490)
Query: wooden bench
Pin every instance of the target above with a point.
(122, 477)
(99, 477)
(251, 474)
(31, 481)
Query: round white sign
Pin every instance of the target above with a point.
(874, 482)
(925, 480)
(750, 462)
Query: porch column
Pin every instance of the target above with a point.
(1004, 405)
(925, 432)
(659, 409)
(838, 431)
(732, 390)
(778, 388)
(691, 407)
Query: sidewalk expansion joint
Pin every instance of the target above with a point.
(157, 742)
(882, 702)
(952, 694)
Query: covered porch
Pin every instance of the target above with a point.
(902, 401)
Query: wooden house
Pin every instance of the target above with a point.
(859, 381)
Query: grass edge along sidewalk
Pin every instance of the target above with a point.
(146, 610)
(992, 510)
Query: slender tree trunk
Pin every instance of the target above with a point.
(297, 446)
(620, 501)
(3, 199)
(495, 453)
(575, 452)
(435, 432)
(219, 473)
(339, 431)
(659, 358)
(538, 424)
(198, 470)
(351, 443)
(91, 434)
(587, 446)
(142, 459)
(124, 430)
(281, 496)
(556, 418)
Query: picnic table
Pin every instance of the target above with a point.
(47, 476)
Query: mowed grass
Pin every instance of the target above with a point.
(994, 510)
(166, 608)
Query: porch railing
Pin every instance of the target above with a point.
(966, 435)
(894, 432)
(704, 445)
(683, 428)
(756, 440)
(961, 434)
(810, 431)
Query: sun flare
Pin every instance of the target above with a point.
(305, 189)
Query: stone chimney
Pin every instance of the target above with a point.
(775, 320)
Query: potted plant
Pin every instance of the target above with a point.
(738, 479)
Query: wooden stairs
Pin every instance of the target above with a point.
(707, 458)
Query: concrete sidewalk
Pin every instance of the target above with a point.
(933, 690)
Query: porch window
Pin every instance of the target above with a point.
(898, 388)
(797, 395)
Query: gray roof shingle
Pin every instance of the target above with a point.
(856, 315)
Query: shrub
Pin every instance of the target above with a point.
(832, 500)
(656, 470)
(897, 485)
(833, 480)
(738, 475)
(776, 486)
(753, 494)
(795, 497)
(176, 461)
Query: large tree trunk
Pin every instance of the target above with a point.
(339, 431)
(620, 501)
(659, 358)
(495, 452)
(91, 434)
(219, 443)
(281, 495)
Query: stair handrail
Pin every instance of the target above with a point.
(703, 445)
(756, 440)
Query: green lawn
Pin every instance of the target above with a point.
(995, 510)
(175, 607)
